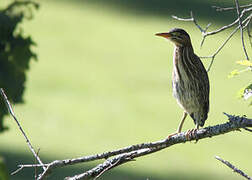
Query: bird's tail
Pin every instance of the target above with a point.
(199, 118)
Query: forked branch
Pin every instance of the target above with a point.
(9, 107)
(243, 21)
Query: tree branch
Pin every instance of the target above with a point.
(8, 105)
(233, 167)
(203, 31)
(241, 25)
(241, 28)
(249, 33)
(217, 8)
(129, 153)
(244, 11)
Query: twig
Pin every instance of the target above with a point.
(249, 33)
(234, 118)
(16, 171)
(8, 105)
(247, 129)
(133, 151)
(217, 8)
(219, 49)
(203, 31)
(229, 25)
(35, 168)
(241, 28)
(116, 163)
(44, 174)
(224, 43)
(111, 163)
(233, 167)
(194, 21)
(243, 24)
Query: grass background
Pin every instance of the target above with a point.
(103, 81)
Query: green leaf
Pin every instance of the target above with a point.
(240, 92)
(233, 73)
(3, 170)
(15, 52)
(247, 92)
(245, 63)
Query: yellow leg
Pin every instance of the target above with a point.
(182, 122)
(180, 126)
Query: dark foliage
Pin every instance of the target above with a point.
(15, 52)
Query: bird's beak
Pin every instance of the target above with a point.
(165, 35)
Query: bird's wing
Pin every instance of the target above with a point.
(204, 82)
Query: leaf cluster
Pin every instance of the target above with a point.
(15, 52)
(245, 92)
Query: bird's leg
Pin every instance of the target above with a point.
(180, 125)
(182, 122)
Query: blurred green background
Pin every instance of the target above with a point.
(103, 81)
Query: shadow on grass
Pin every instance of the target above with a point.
(202, 9)
(12, 159)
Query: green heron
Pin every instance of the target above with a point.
(189, 79)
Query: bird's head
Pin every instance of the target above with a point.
(178, 36)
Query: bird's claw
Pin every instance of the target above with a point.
(191, 133)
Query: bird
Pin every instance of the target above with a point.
(190, 82)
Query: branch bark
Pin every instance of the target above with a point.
(235, 169)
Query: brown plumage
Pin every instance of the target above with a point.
(189, 78)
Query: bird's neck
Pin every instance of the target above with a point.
(180, 50)
(187, 46)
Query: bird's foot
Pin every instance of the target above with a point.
(191, 133)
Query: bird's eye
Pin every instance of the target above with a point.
(177, 35)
